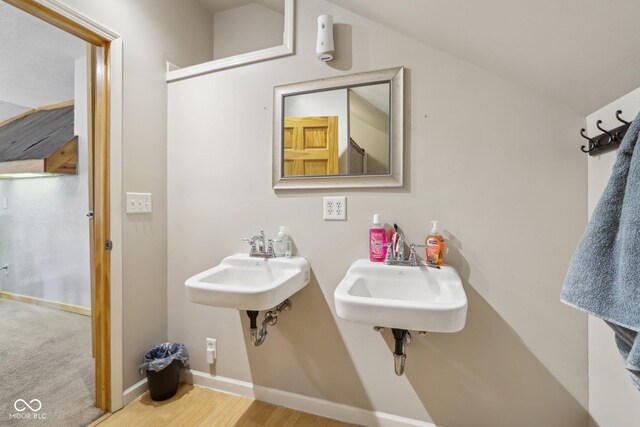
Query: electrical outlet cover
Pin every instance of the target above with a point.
(212, 350)
(334, 208)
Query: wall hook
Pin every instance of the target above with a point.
(609, 134)
(598, 145)
(620, 119)
(592, 143)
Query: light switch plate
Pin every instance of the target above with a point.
(138, 203)
(335, 208)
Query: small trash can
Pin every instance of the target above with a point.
(162, 365)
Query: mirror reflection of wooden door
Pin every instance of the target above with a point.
(310, 146)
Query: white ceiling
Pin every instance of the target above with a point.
(215, 6)
(36, 62)
(377, 95)
(582, 53)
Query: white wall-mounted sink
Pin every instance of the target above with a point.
(412, 298)
(248, 283)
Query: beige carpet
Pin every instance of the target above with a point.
(45, 354)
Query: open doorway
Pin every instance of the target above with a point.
(103, 83)
(45, 285)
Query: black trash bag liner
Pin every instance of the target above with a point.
(161, 356)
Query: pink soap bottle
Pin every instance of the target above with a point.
(377, 235)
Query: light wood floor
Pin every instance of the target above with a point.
(197, 406)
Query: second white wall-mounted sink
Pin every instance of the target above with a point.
(412, 298)
(249, 283)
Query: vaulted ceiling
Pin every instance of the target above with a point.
(581, 53)
(215, 6)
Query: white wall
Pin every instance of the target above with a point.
(245, 29)
(328, 103)
(369, 128)
(152, 33)
(44, 233)
(613, 400)
(496, 163)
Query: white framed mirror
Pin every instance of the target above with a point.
(339, 132)
(243, 32)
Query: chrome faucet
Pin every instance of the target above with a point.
(395, 252)
(261, 247)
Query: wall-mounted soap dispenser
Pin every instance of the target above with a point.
(324, 45)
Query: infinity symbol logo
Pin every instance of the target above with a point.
(21, 405)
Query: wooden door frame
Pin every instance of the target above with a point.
(106, 140)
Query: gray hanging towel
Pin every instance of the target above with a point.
(604, 275)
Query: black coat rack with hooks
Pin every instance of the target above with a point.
(606, 141)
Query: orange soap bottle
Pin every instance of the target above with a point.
(435, 246)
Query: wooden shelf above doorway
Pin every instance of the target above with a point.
(40, 141)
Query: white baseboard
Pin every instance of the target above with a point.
(312, 405)
(135, 391)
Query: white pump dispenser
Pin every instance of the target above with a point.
(435, 246)
(283, 246)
